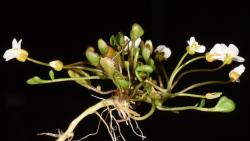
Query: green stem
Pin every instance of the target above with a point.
(97, 91)
(188, 95)
(38, 62)
(181, 60)
(203, 84)
(100, 92)
(131, 57)
(156, 86)
(41, 81)
(129, 77)
(188, 108)
(70, 66)
(196, 70)
(163, 108)
(84, 68)
(151, 111)
(138, 76)
(84, 85)
(79, 63)
(179, 69)
(164, 73)
(159, 78)
(136, 58)
(136, 89)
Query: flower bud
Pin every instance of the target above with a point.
(235, 74)
(213, 95)
(56, 65)
(147, 50)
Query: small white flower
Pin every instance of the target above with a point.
(14, 52)
(137, 42)
(223, 53)
(193, 46)
(165, 50)
(233, 52)
(235, 74)
(218, 52)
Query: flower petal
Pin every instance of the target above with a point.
(10, 54)
(201, 49)
(219, 57)
(126, 38)
(160, 48)
(137, 42)
(232, 49)
(167, 52)
(219, 49)
(240, 69)
(238, 59)
(15, 44)
(191, 41)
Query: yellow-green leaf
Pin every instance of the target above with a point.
(51, 75)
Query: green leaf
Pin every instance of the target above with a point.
(120, 39)
(112, 41)
(124, 84)
(92, 56)
(202, 103)
(136, 32)
(145, 68)
(151, 63)
(35, 80)
(224, 105)
(51, 75)
(108, 66)
(102, 46)
(74, 74)
(146, 54)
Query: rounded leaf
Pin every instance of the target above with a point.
(136, 31)
(108, 66)
(224, 105)
(102, 46)
(92, 56)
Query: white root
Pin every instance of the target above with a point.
(68, 134)
(113, 105)
(97, 130)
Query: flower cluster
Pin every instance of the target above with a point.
(137, 69)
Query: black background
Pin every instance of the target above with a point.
(63, 30)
